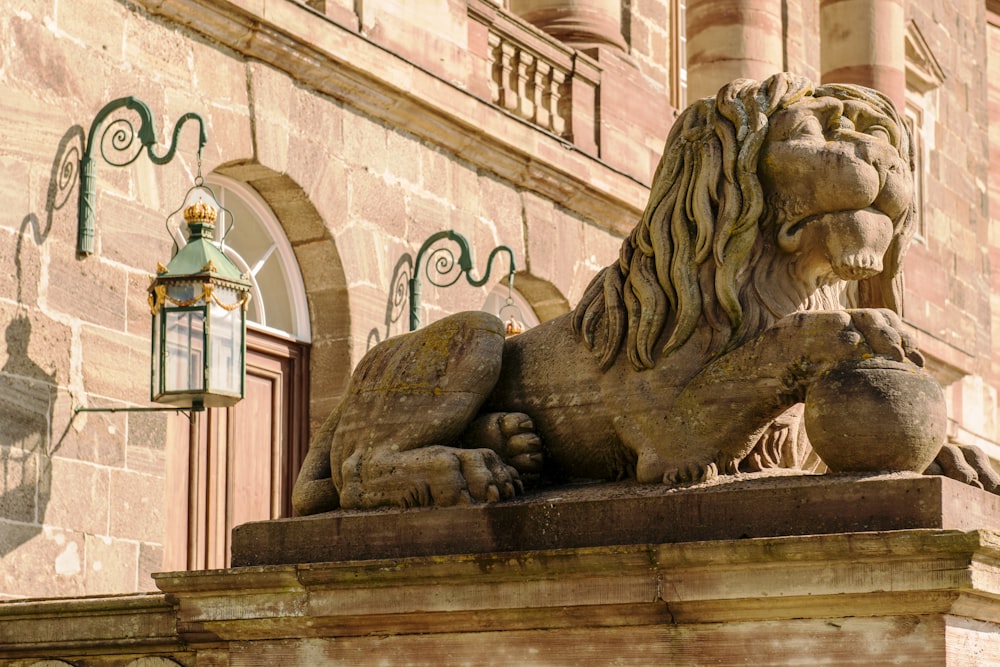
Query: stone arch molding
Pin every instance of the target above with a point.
(541, 297)
(318, 260)
(545, 298)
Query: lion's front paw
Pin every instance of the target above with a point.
(884, 333)
(512, 436)
(828, 338)
(966, 464)
(691, 473)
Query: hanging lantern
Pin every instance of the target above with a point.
(510, 313)
(198, 302)
(513, 327)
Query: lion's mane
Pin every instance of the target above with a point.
(690, 260)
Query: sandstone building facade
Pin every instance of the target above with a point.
(343, 133)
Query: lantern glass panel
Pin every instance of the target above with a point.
(156, 388)
(226, 340)
(184, 345)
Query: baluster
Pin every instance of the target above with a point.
(540, 85)
(494, 67)
(525, 63)
(508, 95)
(554, 93)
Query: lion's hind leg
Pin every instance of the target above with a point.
(409, 401)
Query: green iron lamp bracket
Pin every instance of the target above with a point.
(184, 411)
(121, 134)
(443, 261)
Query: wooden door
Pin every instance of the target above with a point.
(243, 459)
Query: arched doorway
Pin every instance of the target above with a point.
(235, 465)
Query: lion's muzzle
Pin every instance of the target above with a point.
(855, 241)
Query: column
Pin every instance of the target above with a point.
(862, 42)
(579, 23)
(731, 39)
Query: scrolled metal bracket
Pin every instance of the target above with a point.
(122, 135)
(444, 263)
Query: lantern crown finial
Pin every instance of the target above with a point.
(198, 302)
(201, 212)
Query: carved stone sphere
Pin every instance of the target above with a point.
(876, 416)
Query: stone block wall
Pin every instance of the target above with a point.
(948, 272)
(992, 93)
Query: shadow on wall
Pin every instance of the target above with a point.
(397, 305)
(28, 391)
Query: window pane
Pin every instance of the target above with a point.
(184, 348)
(155, 377)
(258, 246)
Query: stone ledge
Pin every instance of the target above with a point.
(626, 514)
(365, 75)
(926, 596)
(799, 581)
(129, 623)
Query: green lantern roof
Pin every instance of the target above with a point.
(201, 259)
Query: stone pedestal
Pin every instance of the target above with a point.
(822, 570)
(626, 513)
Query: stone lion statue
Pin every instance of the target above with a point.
(767, 258)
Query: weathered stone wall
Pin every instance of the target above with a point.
(993, 102)
(82, 501)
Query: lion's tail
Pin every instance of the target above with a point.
(314, 491)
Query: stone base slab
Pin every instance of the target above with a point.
(624, 514)
(881, 593)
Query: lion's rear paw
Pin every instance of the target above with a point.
(691, 473)
(441, 476)
(488, 479)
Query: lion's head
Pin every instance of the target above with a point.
(753, 185)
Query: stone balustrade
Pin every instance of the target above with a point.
(526, 84)
(536, 77)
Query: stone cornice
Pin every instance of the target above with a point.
(345, 65)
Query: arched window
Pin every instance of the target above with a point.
(258, 246)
